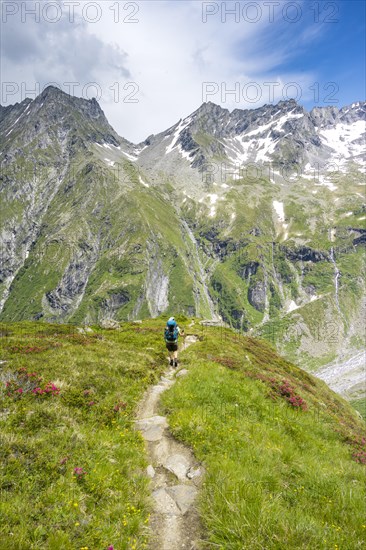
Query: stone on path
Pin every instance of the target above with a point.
(152, 428)
(193, 472)
(183, 496)
(146, 423)
(165, 503)
(178, 465)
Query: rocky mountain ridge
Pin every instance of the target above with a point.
(284, 134)
(256, 217)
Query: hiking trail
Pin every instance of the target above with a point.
(175, 473)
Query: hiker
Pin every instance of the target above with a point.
(171, 335)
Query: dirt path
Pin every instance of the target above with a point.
(175, 473)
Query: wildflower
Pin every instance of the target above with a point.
(79, 472)
(64, 460)
(120, 405)
(51, 388)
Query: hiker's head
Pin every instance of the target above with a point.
(171, 322)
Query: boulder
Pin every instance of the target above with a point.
(109, 324)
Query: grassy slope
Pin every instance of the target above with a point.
(42, 504)
(277, 477)
(360, 406)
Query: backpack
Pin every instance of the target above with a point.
(171, 333)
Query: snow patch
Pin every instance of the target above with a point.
(261, 129)
(275, 123)
(181, 126)
(278, 206)
(139, 151)
(185, 154)
(292, 306)
(14, 123)
(143, 182)
(130, 157)
(213, 199)
(239, 149)
(341, 138)
(324, 181)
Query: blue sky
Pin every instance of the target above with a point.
(158, 60)
(338, 53)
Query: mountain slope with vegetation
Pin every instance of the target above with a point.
(256, 217)
(284, 456)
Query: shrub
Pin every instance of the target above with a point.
(29, 383)
(285, 390)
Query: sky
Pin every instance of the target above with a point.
(150, 63)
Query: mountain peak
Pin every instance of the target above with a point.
(53, 95)
(52, 91)
(288, 102)
(54, 110)
(208, 107)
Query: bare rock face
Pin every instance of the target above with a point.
(257, 295)
(248, 270)
(157, 287)
(70, 290)
(114, 301)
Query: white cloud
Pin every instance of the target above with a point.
(167, 55)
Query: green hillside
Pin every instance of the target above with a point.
(284, 456)
(94, 227)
